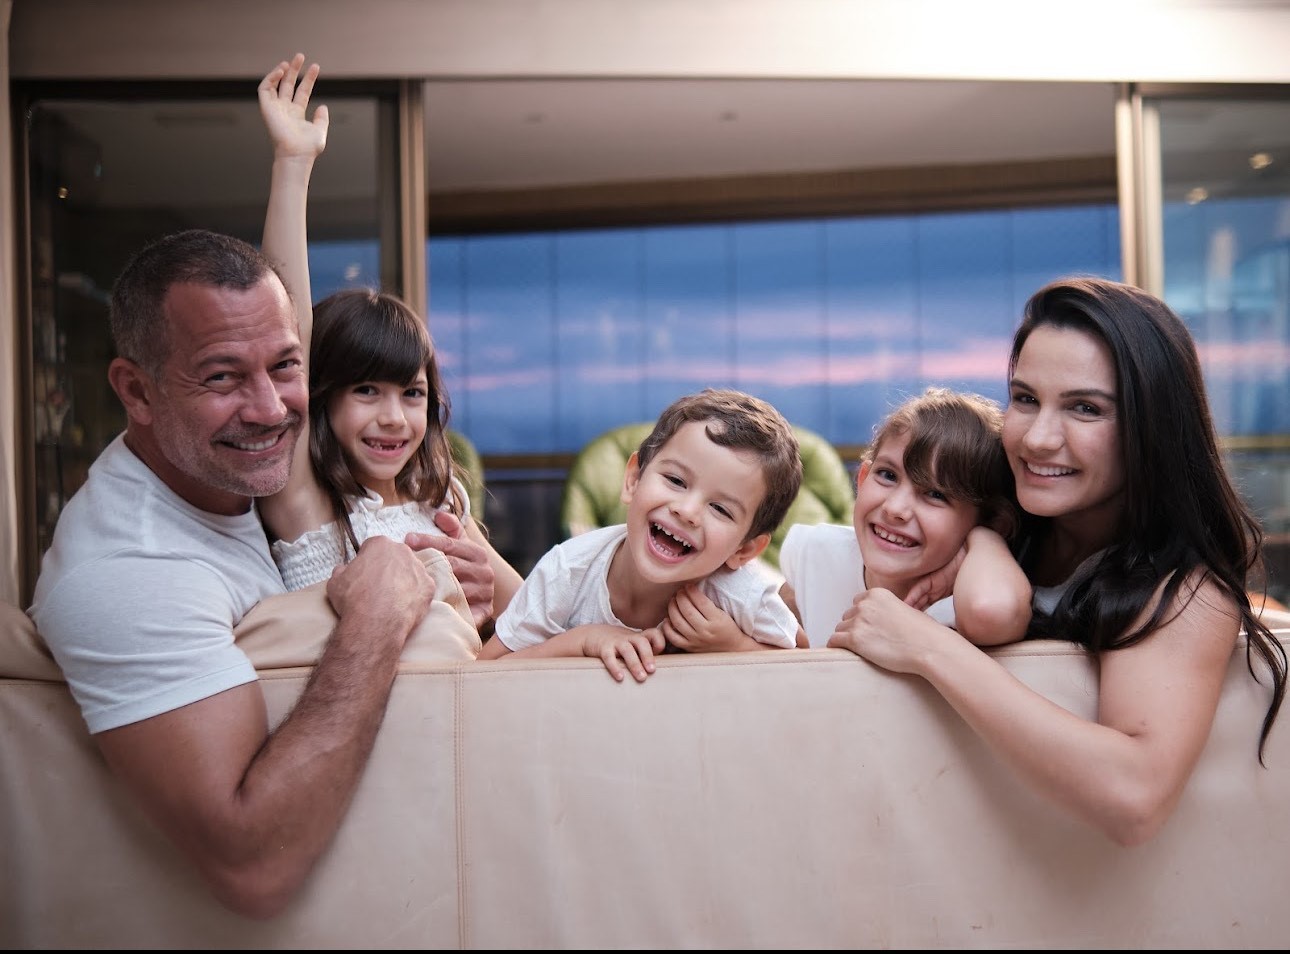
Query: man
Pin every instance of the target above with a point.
(160, 553)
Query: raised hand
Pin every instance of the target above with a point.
(297, 141)
(284, 105)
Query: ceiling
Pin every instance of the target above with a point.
(507, 134)
(534, 138)
(513, 134)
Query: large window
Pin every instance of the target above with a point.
(1224, 262)
(548, 339)
(1225, 172)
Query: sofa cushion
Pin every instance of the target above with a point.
(772, 799)
(23, 654)
(291, 629)
(283, 631)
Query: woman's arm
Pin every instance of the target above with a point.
(1122, 774)
(297, 142)
(991, 592)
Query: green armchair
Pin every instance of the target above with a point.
(470, 469)
(595, 479)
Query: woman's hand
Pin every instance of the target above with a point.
(889, 632)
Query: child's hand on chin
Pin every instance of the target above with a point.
(695, 624)
(938, 584)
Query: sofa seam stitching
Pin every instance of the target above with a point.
(458, 776)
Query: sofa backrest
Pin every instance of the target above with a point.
(775, 799)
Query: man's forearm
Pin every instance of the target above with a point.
(305, 776)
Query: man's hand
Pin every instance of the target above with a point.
(469, 562)
(254, 811)
(385, 583)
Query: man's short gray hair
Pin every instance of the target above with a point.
(197, 256)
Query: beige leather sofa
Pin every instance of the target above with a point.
(780, 799)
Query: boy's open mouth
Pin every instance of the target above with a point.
(665, 542)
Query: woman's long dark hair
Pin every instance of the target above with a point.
(365, 335)
(1182, 520)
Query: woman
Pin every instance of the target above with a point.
(1138, 547)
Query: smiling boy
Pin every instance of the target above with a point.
(704, 492)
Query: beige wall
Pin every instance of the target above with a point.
(1102, 40)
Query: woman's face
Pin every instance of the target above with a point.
(1061, 429)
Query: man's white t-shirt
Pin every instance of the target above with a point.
(569, 587)
(139, 593)
(822, 563)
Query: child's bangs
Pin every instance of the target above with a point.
(396, 351)
(949, 460)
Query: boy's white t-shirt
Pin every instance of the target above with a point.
(822, 563)
(569, 587)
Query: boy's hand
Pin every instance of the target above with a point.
(284, 104)
(695, 624)
(938, 584)
(624, 650)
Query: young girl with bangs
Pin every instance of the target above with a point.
(377, 462)
(933, 506)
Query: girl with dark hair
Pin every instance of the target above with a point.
(933, 513)
(1138, 547)
(377, 462)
